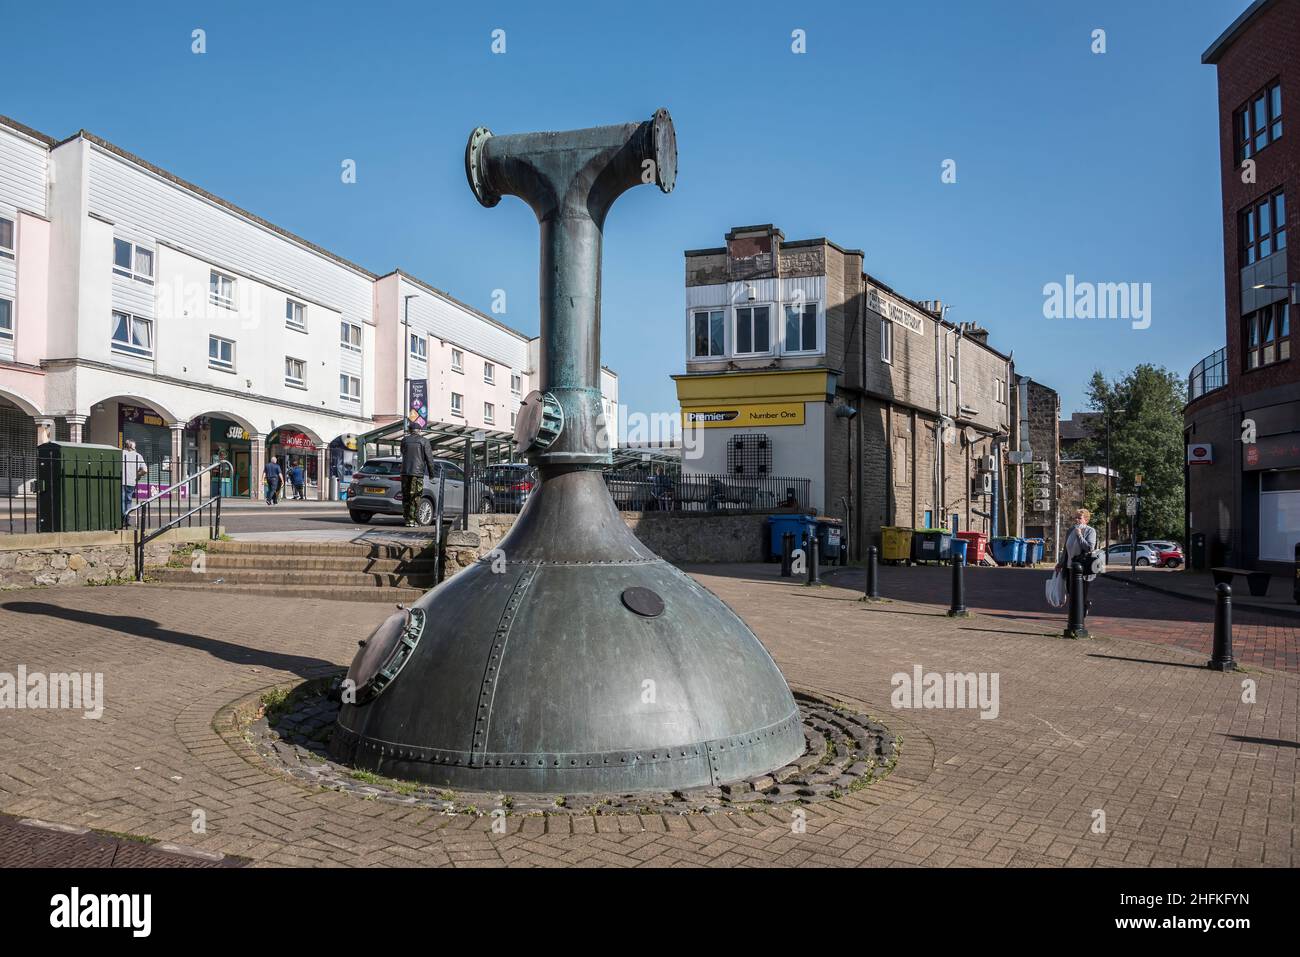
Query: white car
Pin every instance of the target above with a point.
(1123, 555)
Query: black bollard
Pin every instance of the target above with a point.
(1074, 627)
(873, 576)
(814, 578)
(958, 608)
(787, 555)
(1222, 659)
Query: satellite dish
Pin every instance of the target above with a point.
(972, 435)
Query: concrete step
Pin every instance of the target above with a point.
(352, 579)
(393, 596)
(224, 561)
(391, 550)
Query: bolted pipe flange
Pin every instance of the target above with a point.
(475, 170)
(539, 422)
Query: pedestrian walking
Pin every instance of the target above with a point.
(1082, 540)
(133, 470)
(274, 479)
(417, 462)
(299, 479)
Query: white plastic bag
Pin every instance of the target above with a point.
(1057, 594)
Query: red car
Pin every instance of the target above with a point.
(1169, 557)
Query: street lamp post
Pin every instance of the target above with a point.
(406, 355)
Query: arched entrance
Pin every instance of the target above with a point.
(226, 436)
(293, 447)
(169, 446)
(17, 443)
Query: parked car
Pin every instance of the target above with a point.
(1168, 554)
(376, 489)
(1123, 555)
(508, 486)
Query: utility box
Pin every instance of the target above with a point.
(78, 487)
(1197, 557)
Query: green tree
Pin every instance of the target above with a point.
(1146, 437)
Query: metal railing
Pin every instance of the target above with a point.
(173, 506)
(1207, 375)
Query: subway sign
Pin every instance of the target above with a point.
(743, 416)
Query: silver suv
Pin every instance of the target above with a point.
(376, 489)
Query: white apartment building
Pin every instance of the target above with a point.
(135, 305)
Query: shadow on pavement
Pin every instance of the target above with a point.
(1151, 661)
(151, 630)
(1272, 742)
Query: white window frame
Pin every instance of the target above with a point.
(216, 298)
(418, 346)
(289, 309)
(489, 373)
(218, 363)
(489, 413)
(124, 348)
(458, 405)
(458, 361)
(134, 271)
(690, 331)
(516, 383)
(7, 330)
(952, 368)
(886, 341)
(345, 330)
(735, 328)
(817, 328)
(999, 390)
(10, 252)
(295, 382)
(514, 417)
(346, 382)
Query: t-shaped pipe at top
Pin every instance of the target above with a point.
(570, 180)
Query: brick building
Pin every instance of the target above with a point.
(1243, 496)
(784, 338)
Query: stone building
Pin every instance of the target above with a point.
(800, 364)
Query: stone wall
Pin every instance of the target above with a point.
(71, 558)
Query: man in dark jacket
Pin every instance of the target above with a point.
(417, 462)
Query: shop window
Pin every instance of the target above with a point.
(1263, 228)
(132, 261)
(350, 336)
(221, 354)
(1268, 335)
(749, 455)
(886, 341)
(801, 327)
(295, 372)
(295, 315)
(6, 319)
(708, 336)
(221, 290)
(132, 335)
(1259, 122)
(753, 330)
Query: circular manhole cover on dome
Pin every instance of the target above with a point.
(382, 655)
(644, 602)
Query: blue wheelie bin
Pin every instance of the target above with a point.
(777, 525)
(959, 546)
(1003, 549)
(1035, 554)
(1021, 551)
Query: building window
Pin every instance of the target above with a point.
(952, 368)
(514, 417)
(6, 319)
(132, 261)
(801, 327)
(349, 336)
(221, 354)
(749, 454)
(999, 391)
(222, 289)
(295, 315)
(1268, 335)
(458, 404)
(709, 337)
(350, 388)
(132, 335)
(419, 347)
(6, 238)
(1259, 122)
(1263, 228)
(886, 341)
(489, 373)
(516, 383)
(457, 361)
(295, 372)
(753, 330)
(489, 413)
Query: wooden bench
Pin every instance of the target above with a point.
(1256, 582)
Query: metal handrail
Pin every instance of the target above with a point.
(143, 537)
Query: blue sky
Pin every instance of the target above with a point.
(1068, 162)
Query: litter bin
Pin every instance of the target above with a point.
(960, 548)
(1022, 551)
(1004, 550)
(1033, 551)
(829, 539)
(895, 544)
(976, 545)
(931, 545)
(78, 487)
(1198, 552)
(778, 525)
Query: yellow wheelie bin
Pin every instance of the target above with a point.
(895, 544)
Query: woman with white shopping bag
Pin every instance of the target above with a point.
(1081, 541)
